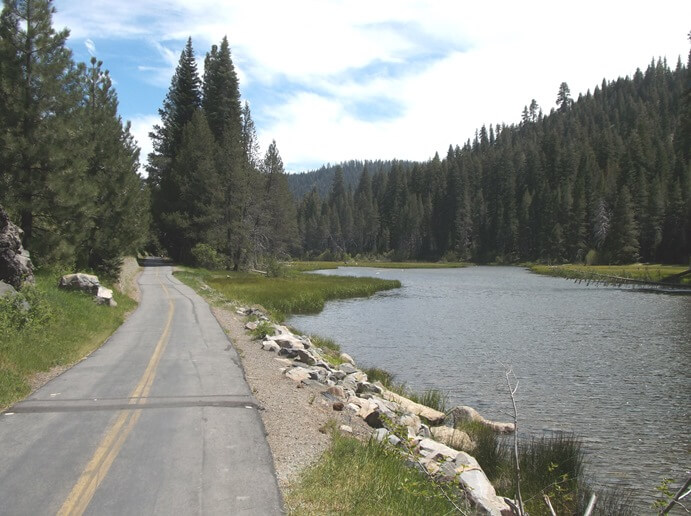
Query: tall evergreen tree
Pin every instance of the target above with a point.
(182, 101)
(120, 214)
(42, 167)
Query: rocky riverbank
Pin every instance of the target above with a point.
(303, 395)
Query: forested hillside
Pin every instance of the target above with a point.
(605, 178)
(322, 179)
(68, 163)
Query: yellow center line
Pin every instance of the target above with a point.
(116, 435)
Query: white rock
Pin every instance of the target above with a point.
(433, 416)
(298, 374)
(479, 490)
(251, 325)
(346, 429)
(434, 450)
(464, 413)
(347, 358)
(269, 345)
(451, 437)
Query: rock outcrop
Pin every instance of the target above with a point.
(90, 284)
(15, 264)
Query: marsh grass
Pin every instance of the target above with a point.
(323, 265)
(652, 273)
(551, 465)
(60, 328)
(365, 479)
(294, 294)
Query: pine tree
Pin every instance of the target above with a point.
(622, 240)
(43, 166)
(181, 102)
(120, 215)
(279, 204)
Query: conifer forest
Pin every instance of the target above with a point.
(602, 176)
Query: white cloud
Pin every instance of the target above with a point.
(490, 59)
(140, 129)
(90, 47)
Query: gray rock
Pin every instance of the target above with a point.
(104, 296)
(339, 375)
(478, 488)
(84, 282)
(269, 345)
(363, 387)
(15, 263)
(456, 439)
(305, 357)
(287, 341)
(464, 414)
(434, 450)
(251, 325)
(298, 374)
(348, 368)
(347, 358)
(380, 434)
(6, 290)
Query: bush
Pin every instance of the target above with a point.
(207, 257)
(24, 310)
(591, 258)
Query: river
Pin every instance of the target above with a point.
(610, 365)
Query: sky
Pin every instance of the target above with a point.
(335, 80)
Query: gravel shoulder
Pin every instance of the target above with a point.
(295, 416)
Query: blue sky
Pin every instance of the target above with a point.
(337, 80)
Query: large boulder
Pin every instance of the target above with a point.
(468, 414)
(83, 282)
(451, 437)
(433, 416)
(478, 488)
(15, 264)
(90, 284)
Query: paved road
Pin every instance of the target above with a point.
(159, 420)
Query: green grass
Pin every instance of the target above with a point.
(653, 273)
(59, 329)
(321, 265)
(365, 479)
(294, 294)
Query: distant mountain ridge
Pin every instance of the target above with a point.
(322, 178)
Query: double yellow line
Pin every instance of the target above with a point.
(116, 435)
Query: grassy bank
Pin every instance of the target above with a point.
(59, 329)
(365, 478)
(321, 265)
(294, 294)
(652, 273)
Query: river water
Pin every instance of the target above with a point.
(610, 365)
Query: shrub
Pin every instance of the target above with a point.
(207, 257)
(591, 258)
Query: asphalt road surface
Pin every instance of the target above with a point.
(160, 420)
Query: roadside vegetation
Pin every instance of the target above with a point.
(56, 329)
(365, 478)
(641, 272)
(291, 293)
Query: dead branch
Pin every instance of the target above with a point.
(678, 496)
(591, 505)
